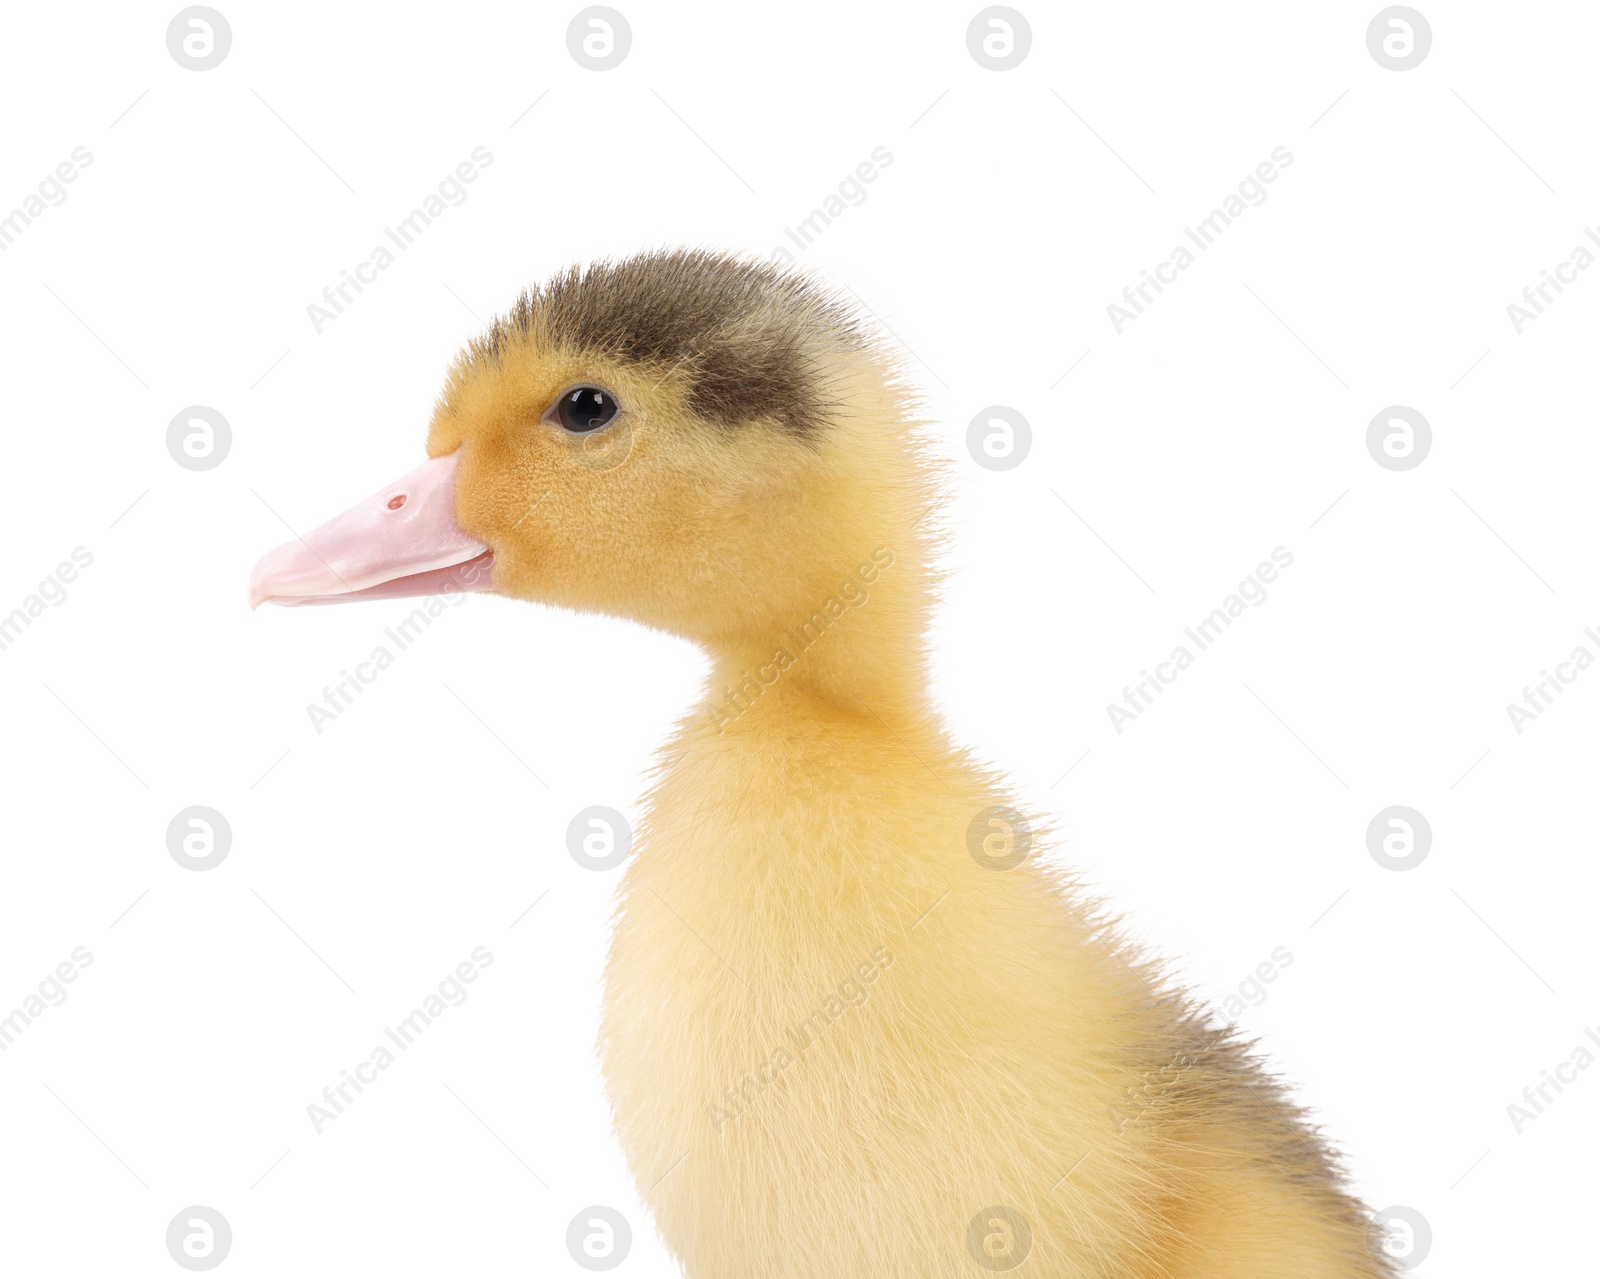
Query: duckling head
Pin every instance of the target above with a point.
(707, 444)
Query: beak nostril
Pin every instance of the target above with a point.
(396, 502)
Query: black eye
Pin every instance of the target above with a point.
(585, 408)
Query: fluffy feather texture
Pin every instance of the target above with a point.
(746, 329)
(833, 1039)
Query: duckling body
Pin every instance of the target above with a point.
(855, 1024)
(833, 1039)
(841, 1029)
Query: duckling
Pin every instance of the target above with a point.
(855, 1023)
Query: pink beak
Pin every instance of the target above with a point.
(403, 540)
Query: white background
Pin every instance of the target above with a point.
(368, 860)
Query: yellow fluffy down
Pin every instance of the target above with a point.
(835, 1043)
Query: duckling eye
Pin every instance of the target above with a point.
(585, 408)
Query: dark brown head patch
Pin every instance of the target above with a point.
(751, 337)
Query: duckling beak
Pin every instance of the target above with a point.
(401, 541)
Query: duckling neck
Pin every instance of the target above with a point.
(856, 652)
(829, 608)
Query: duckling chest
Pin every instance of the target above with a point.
(757, 985)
